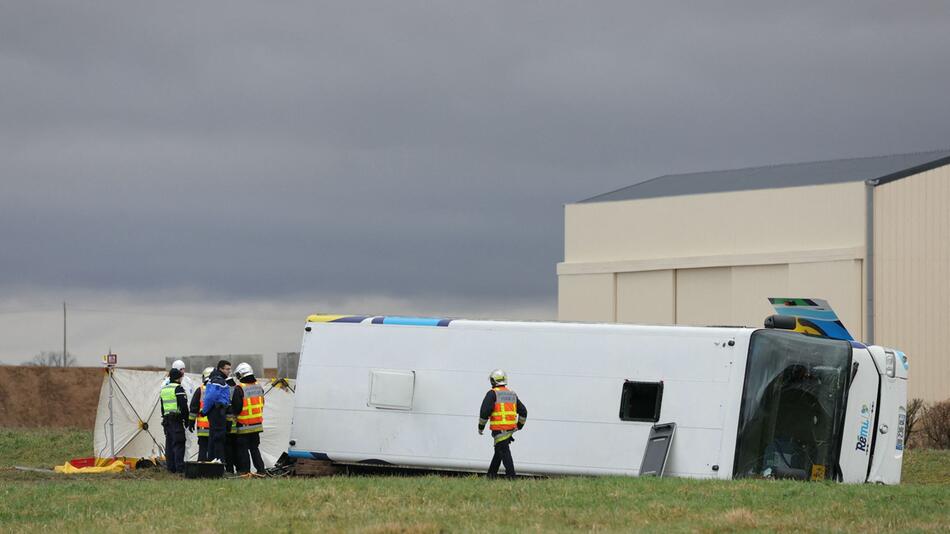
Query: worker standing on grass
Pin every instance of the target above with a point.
(507, 414)
(248, 407)
(231, 448)
(217, 401)
(174, 407)
(196, 419)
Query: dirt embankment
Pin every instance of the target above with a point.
(53, 396)
(49, 396)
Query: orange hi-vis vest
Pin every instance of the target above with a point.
(504, 415)
(202, 423)
(251, 418)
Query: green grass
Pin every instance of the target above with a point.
(152, 501)
(926, 466)
(42, 447)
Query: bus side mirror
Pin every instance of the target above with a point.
(781, 322)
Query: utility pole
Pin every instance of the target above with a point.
(64, 333)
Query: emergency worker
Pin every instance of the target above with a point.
(186, 381)
(507, 414)
(231, 448)
(248, 407)
(217, 402)
(197, 420)
(174, 410)
(177, 364)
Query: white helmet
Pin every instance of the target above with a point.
(243, 369)
(498, 377)
(178, 364)
(206, 375)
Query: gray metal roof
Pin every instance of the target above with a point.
(882, 168)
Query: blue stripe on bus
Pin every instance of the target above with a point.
(412, 321)
(834, 330)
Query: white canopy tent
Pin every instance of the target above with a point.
(135, 424)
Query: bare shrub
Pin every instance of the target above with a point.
(935, 424)
(914, 411)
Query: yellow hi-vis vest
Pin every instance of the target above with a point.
(251, 418)
(169, 399)
(504, 416)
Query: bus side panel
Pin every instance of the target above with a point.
(571, 382)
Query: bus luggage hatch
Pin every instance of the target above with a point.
(657, 450)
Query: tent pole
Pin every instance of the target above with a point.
(111, 419)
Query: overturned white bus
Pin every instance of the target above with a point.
(747, 402)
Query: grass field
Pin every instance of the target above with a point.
(155, 501)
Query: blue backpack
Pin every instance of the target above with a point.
(215, 395)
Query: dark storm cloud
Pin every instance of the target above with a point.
(252, 149)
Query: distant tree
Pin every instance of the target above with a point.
(52, 359)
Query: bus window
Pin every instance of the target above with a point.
(793, 405)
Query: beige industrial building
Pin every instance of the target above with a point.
(870, 235)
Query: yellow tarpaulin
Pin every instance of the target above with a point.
(68, 469)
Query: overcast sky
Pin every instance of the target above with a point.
(197, 178)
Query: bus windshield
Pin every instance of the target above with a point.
(793, 405)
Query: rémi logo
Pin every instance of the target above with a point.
(864, 431)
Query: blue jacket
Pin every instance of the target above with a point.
(216, 393)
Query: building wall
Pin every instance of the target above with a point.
(716, 224)
(587, 297)
(646, 297)
(713, 259)
(912, 277)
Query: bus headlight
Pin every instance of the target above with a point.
(890, 364)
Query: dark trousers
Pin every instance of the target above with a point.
(202, 448)
(174, 444)
(249, 449)
(218, 433)
(232, 453)
(502, 456)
